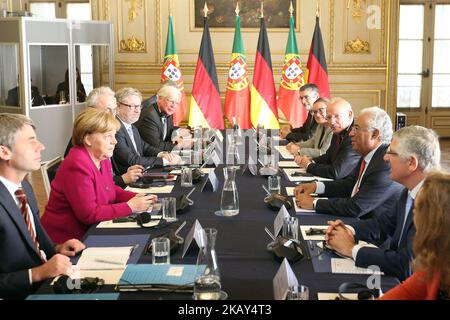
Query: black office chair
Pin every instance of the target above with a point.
(48, 171)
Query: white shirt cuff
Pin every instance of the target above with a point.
(355, 251)
(165, 162)
(320, 187)
(352, 230)
(314, 203)
(30, 276)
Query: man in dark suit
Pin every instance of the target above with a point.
(130, 148)
(27, 254)
(156, 126)
(13, 98)
(340, 158)
(414, 151)
(368, 190)
(309, 93)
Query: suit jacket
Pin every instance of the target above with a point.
(377, 192)
(151, 129)
(305, 132)
(339, 161)
(14, 100)
(81, 196)
(392, 258)
(118, 180)
(315, 147)
(125, 155)
(18, 252)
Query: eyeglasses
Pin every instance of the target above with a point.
(320, 110)
(131, 107)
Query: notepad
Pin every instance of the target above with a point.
(127, 225)
(288, 164)
(319, 237)
(159, 277)
(348, 266)
(104, 258)
(153, 190)
(301, 210)
(290, 172)
(284, 152)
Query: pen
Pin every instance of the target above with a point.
(181, 227)
(108, 261)
(265, 189)
(270, 234)
(190, 192)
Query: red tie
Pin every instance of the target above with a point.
(361, 170)
(22, 197)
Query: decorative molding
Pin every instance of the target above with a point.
(356, 46)
(135, 6)
(357, 9)
(158, 28)
(132, 45)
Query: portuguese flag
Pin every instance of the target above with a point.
(317, 72)
(237, 98)
(291, 82)
(263, 98)
(206, 108)
(171, 71)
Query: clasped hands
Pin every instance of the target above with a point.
(340, 238)
(303, 196)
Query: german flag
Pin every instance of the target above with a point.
(263, 95)
(237, 98)
(317, 72)
(171, 71)
(206, 108)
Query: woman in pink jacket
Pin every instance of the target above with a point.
(83, 192)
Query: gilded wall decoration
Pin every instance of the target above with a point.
(134, 7)
(132, 45)
(357, 46)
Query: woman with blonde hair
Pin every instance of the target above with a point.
(431, 280)
(83, 192)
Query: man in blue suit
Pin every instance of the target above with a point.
(27, 254)
(414, 151)
(368, 190)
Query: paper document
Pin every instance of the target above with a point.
(127, 225)
(204, 170)
(104, 258)
(348, 266)
(307, 178)
(318, 237)
(333, 296)
(155, 190)
(288, 164)
(284, 152)
(290, 192)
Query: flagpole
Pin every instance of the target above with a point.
(262, 9)
(237, 9)
(205, 10)
(318, 9)
(291, 9)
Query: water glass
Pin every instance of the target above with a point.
(161, 250)
(169, 208)
(290, 228)
(299, 292)
(186, 177)
(274, 184)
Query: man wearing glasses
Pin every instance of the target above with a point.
(413, 153)
(156, 122)
(309, 93)
(320, 141)
(130, 148)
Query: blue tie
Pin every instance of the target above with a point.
(409, 205)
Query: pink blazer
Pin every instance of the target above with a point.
(82, 195)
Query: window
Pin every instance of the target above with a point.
(43, 9)
(79, 11)
(410, 56)
(441, 67)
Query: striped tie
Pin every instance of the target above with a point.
(22, 197)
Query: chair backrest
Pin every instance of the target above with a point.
(48, 171)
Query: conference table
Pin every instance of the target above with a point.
(246, 267)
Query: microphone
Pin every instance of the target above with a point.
(211, 145)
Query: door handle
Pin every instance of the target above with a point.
(426, 73)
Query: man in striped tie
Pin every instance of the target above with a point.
(27, 254)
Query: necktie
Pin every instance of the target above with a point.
(358, 182)
(409, 205)
(164, 124)
(22, 197)
(130, 133)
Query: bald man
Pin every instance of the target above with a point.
(340, 159)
